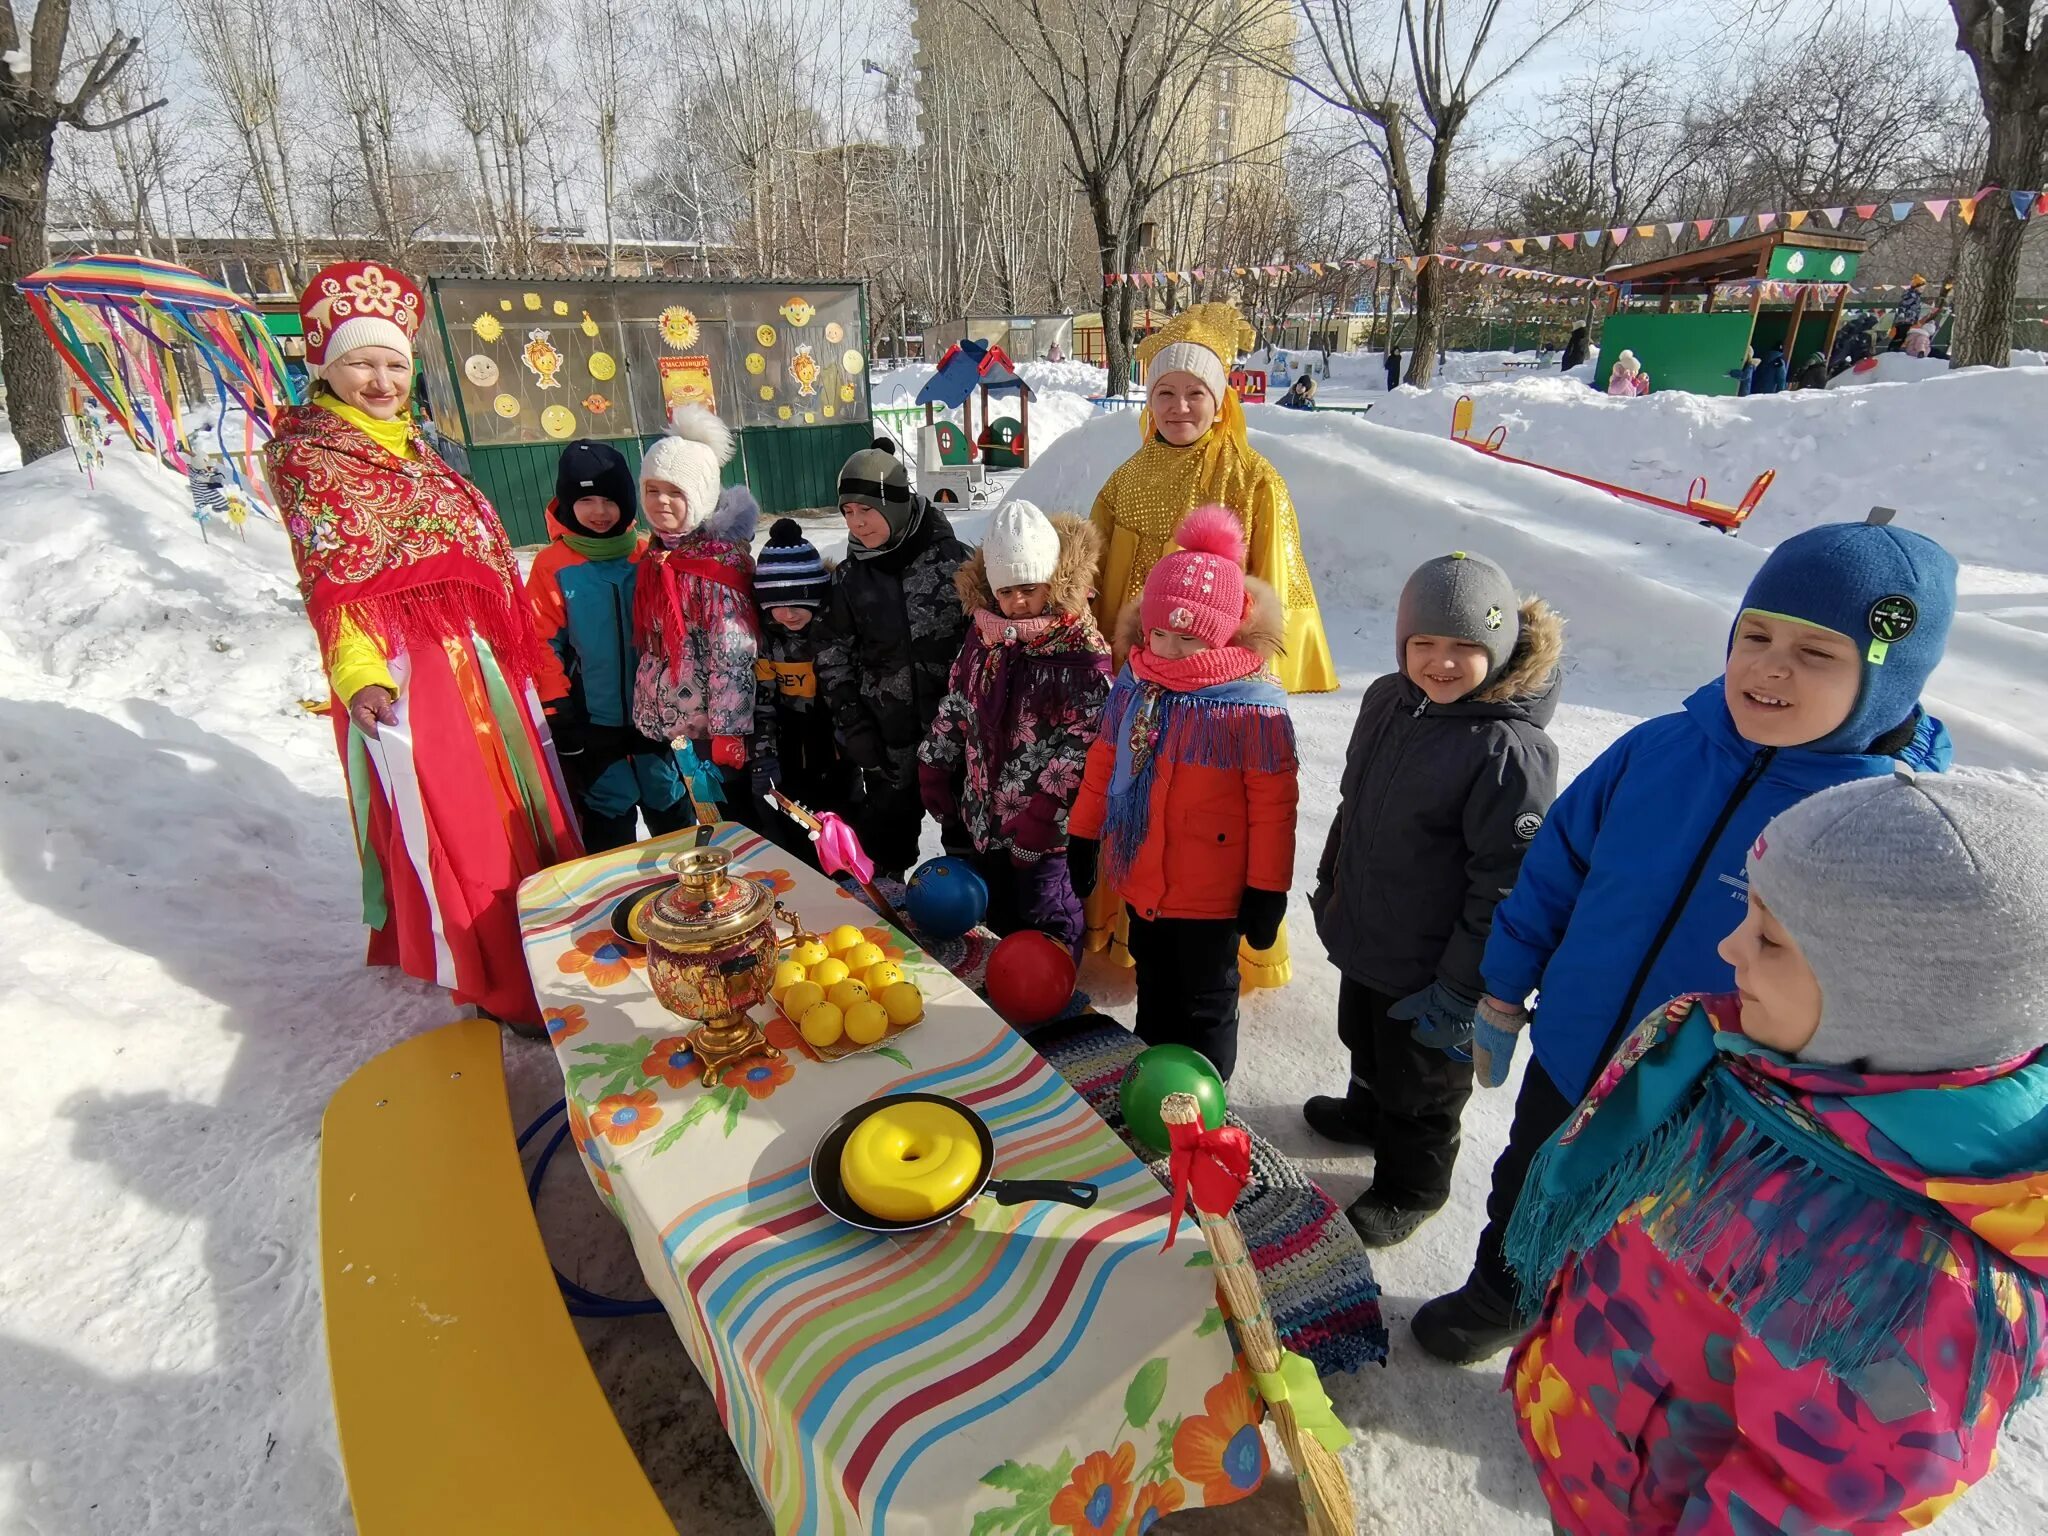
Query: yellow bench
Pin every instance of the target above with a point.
(465, 1403)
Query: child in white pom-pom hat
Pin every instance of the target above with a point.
(693, 608)
(1006, 750)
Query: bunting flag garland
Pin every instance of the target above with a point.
(2025, 205)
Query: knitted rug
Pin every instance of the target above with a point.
(1317, 1275)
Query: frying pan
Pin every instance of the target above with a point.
(831, 1192)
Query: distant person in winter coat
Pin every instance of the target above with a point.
(892, 631)
(1449, 775)
(1745, 375)
(1393, 368)
(1770, 373)
(1920, 339)
(581, 592)
(1627, 376)
(1815, 374)
(1789, 1252)
(1187, 805)
(1006, 751)
(1575, 348)
(1302, 397)
(1855, 343)
(793, 746)
(693, 608)
(1624, 894)
(1912, 304)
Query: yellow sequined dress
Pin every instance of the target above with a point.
(1136, 513)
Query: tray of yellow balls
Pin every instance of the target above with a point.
(843, 995)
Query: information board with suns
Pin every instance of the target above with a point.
(539, 362)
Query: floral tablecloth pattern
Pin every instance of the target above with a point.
(1020, 1369)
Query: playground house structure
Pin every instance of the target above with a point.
(1003, 442)
(1693, 319)
(1021, 338)
(515, 367)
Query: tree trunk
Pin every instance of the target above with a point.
(1990, 273)
(34, 392)
(1426, 331)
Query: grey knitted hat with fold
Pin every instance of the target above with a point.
(1466, 597)
(1921, 903)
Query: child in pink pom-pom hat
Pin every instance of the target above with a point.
(1187, 805)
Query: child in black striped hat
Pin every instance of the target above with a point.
(793, 746)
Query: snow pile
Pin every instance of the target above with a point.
(179, 898)
(900, 385)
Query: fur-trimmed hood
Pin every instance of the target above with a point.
(1263, 631)
(1073, 578)
(734, 518)
(1533, 664)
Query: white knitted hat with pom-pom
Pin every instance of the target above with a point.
(696, 446)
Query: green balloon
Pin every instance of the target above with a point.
(1158, 1071)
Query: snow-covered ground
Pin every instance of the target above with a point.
(178, 899)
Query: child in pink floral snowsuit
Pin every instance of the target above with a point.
(693, 607)
(1022, 705)
(1793, 1247)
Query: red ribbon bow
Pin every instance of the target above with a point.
(1214, 1165)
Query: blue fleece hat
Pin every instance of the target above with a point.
(1890, 590)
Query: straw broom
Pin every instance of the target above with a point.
(1325, 1490)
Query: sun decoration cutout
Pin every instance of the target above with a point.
(531, 301)
(506, 406)
(602, 366)
(835, 333)
(487, 328)
(765, 334)
(558, 421)
(767, 391)
(480, 370)
(589, 325)
(756, 363)
(678, 327)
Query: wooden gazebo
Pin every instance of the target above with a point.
(1784, 287)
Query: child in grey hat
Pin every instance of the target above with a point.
(1791, 1254)
(1447, 780)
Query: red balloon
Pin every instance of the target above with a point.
(1030, 978)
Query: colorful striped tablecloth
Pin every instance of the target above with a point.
(1020, 1368)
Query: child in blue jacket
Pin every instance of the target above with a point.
(1638, 874)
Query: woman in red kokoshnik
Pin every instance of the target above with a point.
(410, 583)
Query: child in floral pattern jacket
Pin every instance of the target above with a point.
(1793, 1247)
(693, 608)
(1006, 750)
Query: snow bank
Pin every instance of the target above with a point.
(1650, 595)
(900, 385)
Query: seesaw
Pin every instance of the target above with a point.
(1714, 514)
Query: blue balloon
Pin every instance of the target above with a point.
(946, 897)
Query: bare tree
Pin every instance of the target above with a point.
(2006, 47)
(235, 44)
(1412, 97)
(371, 80)
(1122, 80)
(611, 43)
(33, 106)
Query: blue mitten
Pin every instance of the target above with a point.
(1494, 1033)
(1442, 1019)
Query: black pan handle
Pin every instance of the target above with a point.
(1019, 1191)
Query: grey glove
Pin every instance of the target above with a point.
(1494, 1034)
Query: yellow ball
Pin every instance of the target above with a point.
(866, 1022)
(903, 1003)
(881, 977)
(823, 1024)
(808, 953)
(863, 955)
(829, 973)
(846, 993)
(801, 998)
(842, 938)
(787, 974)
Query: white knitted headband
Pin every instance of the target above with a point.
(1189, 357)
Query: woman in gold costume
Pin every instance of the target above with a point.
(1194, 451)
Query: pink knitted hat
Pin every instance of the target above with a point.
(1199, 588)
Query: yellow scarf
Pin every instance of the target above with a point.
(393, 436)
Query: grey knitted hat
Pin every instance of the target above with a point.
(1464, 596)
(1921, 902)
(875, 477)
